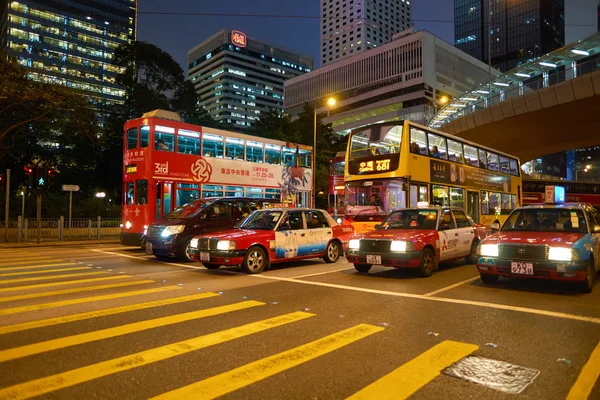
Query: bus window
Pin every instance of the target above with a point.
(482, 158)
(437, 146)
(254, 151)
(188, 142)
(490, 203)
(254, 192)
(455, 151)
(391, 143)
(273, 194)
(144, 136)
(129, 193)
(234, 191)
(471, 156)
(439, 195)
(337, 168)
(507, 203)
(457, 197)
(132, 138)
(186, 193)
(212, 191)
(418, 141)
(492, 161)
(504, 165)
(141, 192)
(288, 156)
(304, 158)
(234, 148)
(212, 145)
(514, 167)
(272, 154)
(166, 135)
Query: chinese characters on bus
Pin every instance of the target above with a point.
(377, 165)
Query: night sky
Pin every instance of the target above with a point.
(177, 34)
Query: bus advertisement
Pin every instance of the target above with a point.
(168, 163)
(575, 191)
(399, 164)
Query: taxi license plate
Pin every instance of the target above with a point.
(204, 256)
(373, 259)
(521, 268)
(149, 248)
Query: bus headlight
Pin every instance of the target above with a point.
(194, 243)
(398, 245)
(489, 250)
(560, 254)
(128, 225)
(172, 230)
(225, 245)
(354, 244)
(145, 230)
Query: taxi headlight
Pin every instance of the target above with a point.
(489, 250)
(354, 244)
(172, 230)
(560, 254)
(225, 245)
(194, 243)
(398, 245)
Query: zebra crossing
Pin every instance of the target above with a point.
(402, 382)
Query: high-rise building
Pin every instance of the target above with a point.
(238, 78)
(70, 42)
(517, 30)
(353, 26)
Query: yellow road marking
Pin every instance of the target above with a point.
(73, 290)
(238, 378)
(12, 268)
(22, 260)
(43, 285)
(410, 377)
(45, 271)
(82, 300)
(587, 377)
(61, 343)
(101, 313)
(41, 278)
(66, 379)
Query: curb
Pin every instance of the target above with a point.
(28, 244)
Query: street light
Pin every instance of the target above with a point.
(444, 99)
(586, 169)
(330, 102)
(100, 195)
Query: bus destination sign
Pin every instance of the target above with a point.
(131, 169)
(373, 165)
(446, 172)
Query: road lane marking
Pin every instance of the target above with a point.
(38, 266)
(73, 377)
(73, 290)
(82, 300)
(253, 372)
(588, 376)
(410, 377)
(451, 286)
(24, 260)
(45, 271)
(42, 278)
(575, 317)
(321, 273)
(64, 342)
(154, 261)
(44, 285)
(102, 313)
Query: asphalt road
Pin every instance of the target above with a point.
(108, 322)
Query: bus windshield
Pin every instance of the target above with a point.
(189, 210)
(381, 195)
(374, 141)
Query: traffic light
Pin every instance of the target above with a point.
(52, 173)
(40, 181)
(28, 170)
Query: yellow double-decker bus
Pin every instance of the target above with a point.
(399, 164)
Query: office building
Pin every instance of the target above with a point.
(238, 78)
(353, 26)
(518, 31)
(70, 43)
(408, 78)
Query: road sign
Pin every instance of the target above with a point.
(70, 188)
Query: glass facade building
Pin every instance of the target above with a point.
(518, 31)
(70, 42)
(238, 78)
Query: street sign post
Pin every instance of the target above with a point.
(70, 189)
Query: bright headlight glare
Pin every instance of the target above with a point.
(145, 230)
(172, 230)
(560, 254)
(339, 220)
(225, 245)
(489, 250)
(398, 245)
(128, 225)
(194, 243)
(354, 244)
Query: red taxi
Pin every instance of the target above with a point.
(272, 236)
(549, 241)
(417, 238)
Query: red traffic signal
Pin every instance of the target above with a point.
(52, 172)
(28, 170)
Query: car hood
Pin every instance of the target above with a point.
(169, 222)
(529, 237)
(233, 234)
(397, 234)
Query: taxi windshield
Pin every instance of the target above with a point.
(411, 219)
(262, 220)
(189, 210)
(547, 220)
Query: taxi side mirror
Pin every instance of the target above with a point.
(495, 227)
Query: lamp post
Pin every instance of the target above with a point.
(586, 169)
(330, 103)
(489, 53)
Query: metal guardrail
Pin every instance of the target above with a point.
(21, 230)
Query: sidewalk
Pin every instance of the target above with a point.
(55, 243)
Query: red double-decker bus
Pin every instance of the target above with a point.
(168, 163)
(335, 199)
(575, 191)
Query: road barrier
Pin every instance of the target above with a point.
(24, 230)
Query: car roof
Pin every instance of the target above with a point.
(554, 205)
(290, 209)
(436, 208)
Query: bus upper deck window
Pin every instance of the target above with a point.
(272, 154)
(212, 145)
(234, 148)
(164, 138)
(514, 167)
(304, 158)
(471, 156)
(455, 151)
(188, 142)
(482, 158)
(437, 146)
(132, 138)
(418, 141)
(144, 136)
(254, 151)
(504, 165)
(492, 161)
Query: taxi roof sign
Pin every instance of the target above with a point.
(554, 194)
(421, 204)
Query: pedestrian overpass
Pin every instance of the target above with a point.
(547, 105)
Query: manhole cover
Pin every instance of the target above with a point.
(499, 375)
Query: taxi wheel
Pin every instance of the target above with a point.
(255, 260)
(472, 257)
(362, 268)
(333, 251)
(211, 266)
(489, 278)
(588, 284)
(428, 263)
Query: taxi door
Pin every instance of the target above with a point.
(466, 233)
(449, 236)
(290, 238)
(318, 232)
